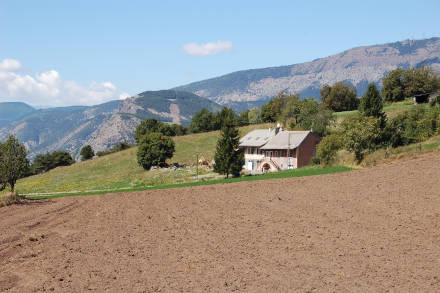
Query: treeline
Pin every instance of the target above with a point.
(291, 110)
(204, 120)
(45, 162)
(400, 83)
(371, 129)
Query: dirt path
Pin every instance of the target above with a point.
(372, 230)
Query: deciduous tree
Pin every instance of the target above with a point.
(13, 163)
(87, 153)
(154, 149)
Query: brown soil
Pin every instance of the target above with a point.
(371, 230)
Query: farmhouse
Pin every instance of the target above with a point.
(278, 149)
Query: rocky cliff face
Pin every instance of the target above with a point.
(358, 66)
(101, 126)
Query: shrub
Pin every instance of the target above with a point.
(362, 135)
(328, 148)
(413, 126)
(87, 153)
(117, 148)
(48, 161)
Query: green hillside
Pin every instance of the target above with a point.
(120, 170)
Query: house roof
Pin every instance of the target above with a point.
(286, 140)
(257, 138)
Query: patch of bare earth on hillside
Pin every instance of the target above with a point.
(370, 230)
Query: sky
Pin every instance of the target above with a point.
(63, 52)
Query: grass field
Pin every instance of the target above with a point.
(301, 172)
(390, 109)
(120, 171)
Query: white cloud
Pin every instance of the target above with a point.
(206, 49)
(123, 96)
(49, 89)
(10, 65)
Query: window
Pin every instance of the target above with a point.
(276, 153)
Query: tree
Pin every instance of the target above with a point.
(322, 121)
(328, 148)
(203, 121)
(13, 163)
(154, 149)
(254, 116)
(393, 88)
(309, 108)
(243, 118)
(226, 114)
(228, 157)
(87, 153)
(371, 104)
(361, 135)
(152, 125)
(178, 129)
(339, 97)
(45, 162)
(272, 110)
(292, 110)
(401, 83)
(422, 80)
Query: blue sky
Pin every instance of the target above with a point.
(85, 52)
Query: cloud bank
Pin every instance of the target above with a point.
(49, 89)
(206, 49)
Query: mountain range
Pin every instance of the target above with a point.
(358, 67)
(102, 126)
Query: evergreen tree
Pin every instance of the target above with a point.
(228, 157)
(13, 163)
(86, 153)
(371, 103)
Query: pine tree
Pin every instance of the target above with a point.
(371, 105)
(228, 157)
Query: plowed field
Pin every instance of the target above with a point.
(371, 230)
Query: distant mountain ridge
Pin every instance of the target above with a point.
(358, 67)
(11, 111)
(102, 126)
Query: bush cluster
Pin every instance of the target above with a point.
(117, 148)
(48, 161)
